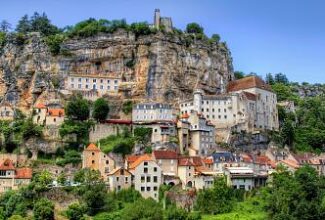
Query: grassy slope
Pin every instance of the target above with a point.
(248, 210)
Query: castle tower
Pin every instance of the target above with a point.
(157, 18)
(197, 100)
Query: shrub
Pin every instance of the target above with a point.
(141, 28)
(75, 211)
(54, 43)
(44, 209)
(77, 108)
(127, 107)
(194, 28)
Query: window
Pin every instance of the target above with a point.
(115, 82)
(148, 179)
(108, 81)
(155, 179)
(107, 161)
(101, 81)
(142, 189)
(87, 80)
(54, 119)
(145, 170)
(94, 80)
(145, 163)
(101, 87)
(79, 80)
(108, 87)
(148, 189)
(87, 86)
(219, 116)
(225, 116)
(225, 110)
(93, 153)
(93, 162)
(126, 179)
(142, 179)
(117, 178)
(72, 85)
(155, 188)
(155, 169)
(219, 110)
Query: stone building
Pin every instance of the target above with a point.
(48, 115)
(147, 176)
(165, 22)
(93, 158)
(119, 178)
(197, 135)
(249, 105)
(7, 112)
(150, 112)
(101, 84)
(13, 178)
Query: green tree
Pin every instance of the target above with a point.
(219, 199)
(288, 133)
(142, 135)
(41, 23)
(269, 79)
(75, 211)
(5, 26)
(141, 28)
(77, 108)
(54, 43)
(16, 217)
(62, 179)
(239, 74)
(101, 109)
(194, 28)
(23, 25)
(281, 78)
(44, 210)
(215, 38)
(174, 213)
(143, 209)
(42, 180)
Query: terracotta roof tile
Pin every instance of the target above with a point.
(92, 147)
(290, 163)
(23, 173)
(7, 165)
(56, 112)
(208, 160)
(165, 154)
(40, 105)
(250, 96)
(132, 158)
(247, 83)
(185, 162)
(145, 157)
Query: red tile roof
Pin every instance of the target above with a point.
(56, 112)
(208, 160)
(290, 163)
(131, 158)
(247, 83)
(185, 162)
(92, 147)
(185, 115)
(142, 158)
(7, 165)
(40, 105)
(23, 173)
(165, 154)
(250, 96)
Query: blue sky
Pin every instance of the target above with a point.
(274, 36)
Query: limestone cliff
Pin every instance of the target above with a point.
(159, 67)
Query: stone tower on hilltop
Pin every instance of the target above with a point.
(166, 22)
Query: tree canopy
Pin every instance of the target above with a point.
(100, 109)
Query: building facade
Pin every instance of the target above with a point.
(147, 176)
(102, 84)
(249, 105)
(119, 178)
(149, 112)
(93, 158)
(6, 112)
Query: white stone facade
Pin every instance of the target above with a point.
(148, 112)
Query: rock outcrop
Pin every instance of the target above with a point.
(158, 67)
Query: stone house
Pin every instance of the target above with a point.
(197, 135)
(39, 115)
(100, 83)
(93, 158)
(54, 117)
(12, 178)
(152, 112)
(223, 159)
(148, 176)
(119, 178)
(7, 112)
(240, 177)
(249, 105)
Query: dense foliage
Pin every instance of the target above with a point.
(100, 109)
(77, 108)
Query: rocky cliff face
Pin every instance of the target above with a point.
(157, 67)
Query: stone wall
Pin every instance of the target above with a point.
(100, 131)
